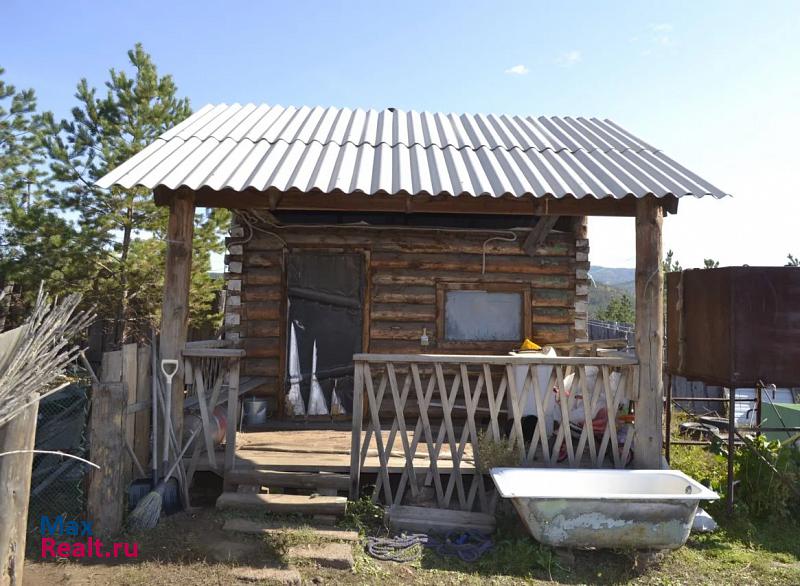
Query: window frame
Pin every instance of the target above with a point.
(498, 346)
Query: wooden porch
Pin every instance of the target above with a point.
(428, 451)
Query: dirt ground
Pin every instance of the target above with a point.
(192, 548)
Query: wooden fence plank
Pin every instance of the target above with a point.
(107, 485)
(130, 371)
(141, 441)
(15, 488)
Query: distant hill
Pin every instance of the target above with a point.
(612, 276)
(609, 283)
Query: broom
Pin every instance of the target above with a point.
(148, 510)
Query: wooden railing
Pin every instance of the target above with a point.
(423, 415)
(208, 368)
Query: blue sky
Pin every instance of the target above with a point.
(714, 84)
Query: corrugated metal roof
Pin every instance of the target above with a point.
(338, 150)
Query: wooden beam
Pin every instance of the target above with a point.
(411, 204)
(540, 231)
(15, 488)
(649, 333)
(175, 305)
(107, 485)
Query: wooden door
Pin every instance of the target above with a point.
(325, 293)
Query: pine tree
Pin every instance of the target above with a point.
(619, 309)
(37, 244)
(125, 226)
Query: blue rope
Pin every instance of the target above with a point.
(469, 546)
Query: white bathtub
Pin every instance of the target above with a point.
(642, 509)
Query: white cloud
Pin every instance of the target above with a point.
(657, 35)
(661, 33)
(517, 70)
(569, 58)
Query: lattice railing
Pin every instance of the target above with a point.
(423, 414)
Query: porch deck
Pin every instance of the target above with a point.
(313, 450)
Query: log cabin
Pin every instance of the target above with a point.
(371, 245)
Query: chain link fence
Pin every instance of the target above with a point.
(58, 484)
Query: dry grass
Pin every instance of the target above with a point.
(185, 549)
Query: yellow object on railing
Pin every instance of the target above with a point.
(530, 345)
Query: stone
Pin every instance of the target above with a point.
(329, 555)
(276, 528)
(230, 551)
(270, 575)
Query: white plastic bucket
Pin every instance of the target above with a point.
(255, 411)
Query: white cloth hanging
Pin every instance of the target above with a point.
(316, 401)
(295, 405)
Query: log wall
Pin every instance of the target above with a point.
(403, 267)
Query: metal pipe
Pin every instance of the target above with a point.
(731, 447)
(712, 399)
(667, 439)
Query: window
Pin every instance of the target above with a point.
(482, 315)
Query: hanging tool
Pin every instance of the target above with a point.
(169, 368)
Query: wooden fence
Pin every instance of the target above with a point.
(424, 415)
(132, 365)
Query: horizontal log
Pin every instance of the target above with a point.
(404, 331)
(276, 479)
(423, 295)
(262, 293)
(552, 298)
(551, 333)
(262, 277)
(474, 264)
(262, 347)
(424, 519)
(552, 315)
(295, 199)
(261, 329)
(261, 367)
(396, 346)
(413, 241)
(402, 312)
(429, 278)
(262, 259)
(255, 310)
(283, 503)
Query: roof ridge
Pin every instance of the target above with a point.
(413, 144)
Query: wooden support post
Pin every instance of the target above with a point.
(107, 485)
(355, 440)
(233, 419)
(649, 333)
(15, 488)
(537, 236)
(175, 306)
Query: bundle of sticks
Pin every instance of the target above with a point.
(35, 356)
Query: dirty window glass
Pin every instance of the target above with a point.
(482, 316)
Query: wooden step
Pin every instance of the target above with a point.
(267, 528)
(429, 520)
(284, 503)
(280, 479)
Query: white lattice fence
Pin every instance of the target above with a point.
(423, 415)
